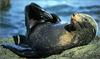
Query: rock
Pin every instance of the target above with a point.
(4, 4)
(90, 51)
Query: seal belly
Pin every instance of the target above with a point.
(66, 38)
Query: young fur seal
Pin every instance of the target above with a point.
(48, 39)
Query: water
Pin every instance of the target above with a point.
(12, 21)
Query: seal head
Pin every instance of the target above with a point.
(83, 19)
(85, 26)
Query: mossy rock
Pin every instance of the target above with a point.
(90, 51)
(5, 53)
(4, 4)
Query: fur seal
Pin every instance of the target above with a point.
(34, 15)
(48, 39)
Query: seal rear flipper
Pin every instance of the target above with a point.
(20, 50)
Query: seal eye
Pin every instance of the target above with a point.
(85, 19)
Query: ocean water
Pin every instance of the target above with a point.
(12, 21)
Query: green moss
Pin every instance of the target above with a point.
(5, 53)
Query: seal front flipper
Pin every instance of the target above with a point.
(19, 50)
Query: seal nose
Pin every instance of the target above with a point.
(74, 14)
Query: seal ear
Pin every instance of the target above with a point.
(70, 28)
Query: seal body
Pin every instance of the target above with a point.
(51, 39)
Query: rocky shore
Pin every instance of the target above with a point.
(90, 51)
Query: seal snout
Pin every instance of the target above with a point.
(74, 14)
(74, 18)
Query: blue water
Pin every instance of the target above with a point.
(12, 21)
